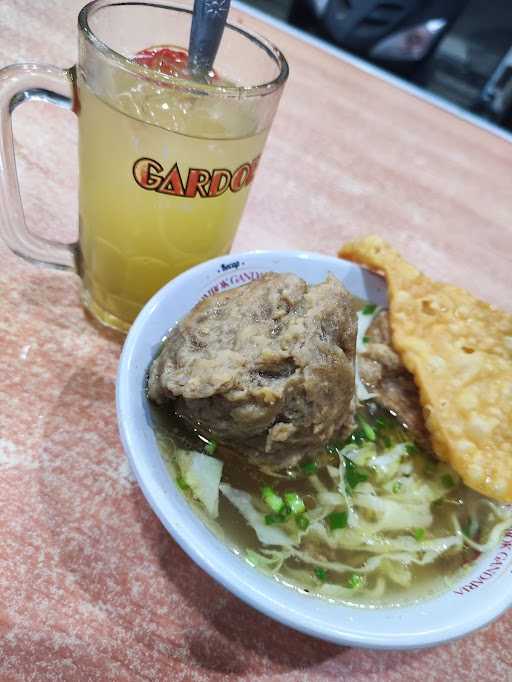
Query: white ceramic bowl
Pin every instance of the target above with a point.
(481, 597)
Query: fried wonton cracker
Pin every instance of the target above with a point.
(459, 350)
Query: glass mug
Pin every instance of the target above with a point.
(165, 163)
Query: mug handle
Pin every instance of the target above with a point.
(20, 83)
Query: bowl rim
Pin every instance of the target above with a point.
(220, 565)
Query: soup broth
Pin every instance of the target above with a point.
(374, 520)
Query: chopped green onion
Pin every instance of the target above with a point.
(397, 486)
(182, 483)
(366, 428)
(253, 557)
(272, 499)
(355, 581)
(447, 481)
(419, 534)
(366, 339)
(387, 441)
(369, 309)
(295, 503)
(321, 573)
(411, 448)
(210, 447)
(302, 521)
(380, 423)
(309, 468)
(337, 520)
(353, 475)
(358, 437)
(272, 519)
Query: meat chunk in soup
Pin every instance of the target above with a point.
(381, 369)
(267, 368)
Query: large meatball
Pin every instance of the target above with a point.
(267, 368)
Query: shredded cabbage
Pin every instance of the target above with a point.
(268, 535)
(397, 571)
(267, 560)
(378, 512)
(202, 474)
(392, 514)
(494, 535)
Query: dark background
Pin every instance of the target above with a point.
(461, 67)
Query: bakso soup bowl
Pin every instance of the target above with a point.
(479, 595)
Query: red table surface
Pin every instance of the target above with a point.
(91, 585)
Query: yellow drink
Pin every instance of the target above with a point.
(163, 182)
